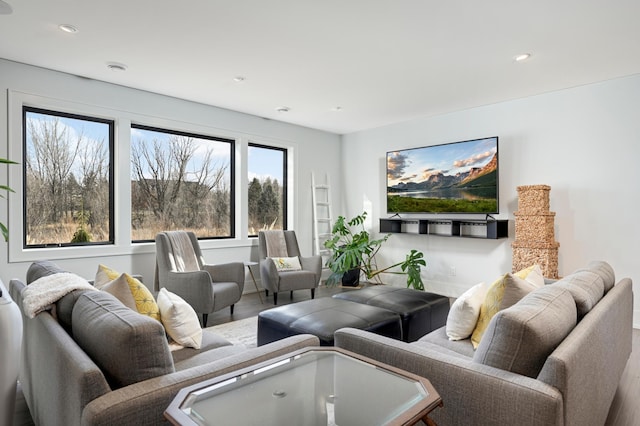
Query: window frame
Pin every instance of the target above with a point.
(111, 144)
(232, 176)
(123, 119)
(284, 183)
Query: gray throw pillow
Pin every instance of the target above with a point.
(128, 347)
(520, 338)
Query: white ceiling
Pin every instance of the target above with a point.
(381, 61)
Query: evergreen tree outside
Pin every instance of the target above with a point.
(254, 193)
(266, 191)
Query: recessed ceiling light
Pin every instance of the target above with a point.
(239, 79)
(5, 8)
(116, 66)
(283, 109)
(522, 57)
(68, 28)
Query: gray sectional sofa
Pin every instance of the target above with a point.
(553, 358)
(93, 361)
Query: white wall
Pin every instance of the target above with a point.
(313, 151)
(583, 142)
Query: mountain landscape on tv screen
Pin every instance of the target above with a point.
(461, 177)
(477, 177)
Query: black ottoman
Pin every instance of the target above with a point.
(322, 317)
(421, 312)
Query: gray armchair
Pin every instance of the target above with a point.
(180, 268)
(273, 280)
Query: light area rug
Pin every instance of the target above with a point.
(241, 332)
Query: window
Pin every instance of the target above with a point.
(267, 192)
(68, 179)
(180, 181)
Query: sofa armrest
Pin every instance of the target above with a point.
(269, 275)
(226, 272)
(472, 393)
(49, 358)
(144, 403)
(313, 264)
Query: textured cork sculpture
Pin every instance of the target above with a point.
(535, 237)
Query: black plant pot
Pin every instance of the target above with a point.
(351, 278)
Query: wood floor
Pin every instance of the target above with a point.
(625, 410)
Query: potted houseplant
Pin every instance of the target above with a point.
(353, 252)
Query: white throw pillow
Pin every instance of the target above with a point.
(464, 312)
(179, 319)
(287, 263)
(535, 277)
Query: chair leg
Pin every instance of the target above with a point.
(204, 320)
(232, 309)
(266, 293)
(313, 293)
(275, 298)
(291, 295)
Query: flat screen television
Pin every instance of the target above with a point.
(459, 177)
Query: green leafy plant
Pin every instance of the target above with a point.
(81, 236)
(3, 228)
(353, 248)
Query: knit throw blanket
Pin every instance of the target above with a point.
(183, 253)
(276, 244)
(45, 291)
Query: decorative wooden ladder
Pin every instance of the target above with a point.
(322, 217)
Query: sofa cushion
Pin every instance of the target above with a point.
(210, 340)
(504, 292)
(520, 338)
(440, 338)
(64, 308)
(128, 347)
(587, 288)
(464, 312)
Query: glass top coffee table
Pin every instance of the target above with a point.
(312, 386)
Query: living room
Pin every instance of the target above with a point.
(580, 139)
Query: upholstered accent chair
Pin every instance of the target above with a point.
(278, 245)
(180, 268)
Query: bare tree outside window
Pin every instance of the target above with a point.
(267, 192)
(180, 181)
(68, 189)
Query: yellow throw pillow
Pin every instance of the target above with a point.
(142, 298)
(493, 301)
(104, 276)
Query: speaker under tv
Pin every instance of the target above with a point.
(458, 177)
